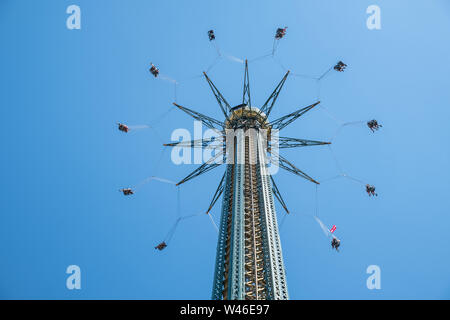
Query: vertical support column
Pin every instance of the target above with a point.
(223, 248)
(275, 271)
(237, 288)
(249, 262)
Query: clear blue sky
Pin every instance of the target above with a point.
(63, 160)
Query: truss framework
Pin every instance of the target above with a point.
(207, 166)
(286, 165)
(198, 143)
(223, 104)
(217, 194)
(249, 261)
(285, 142)
(286, 120)
(277, 194)
(246, 92)
(207, 121)
(268, 105)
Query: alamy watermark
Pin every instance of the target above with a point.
(374, 280)
(73, 281)
(374, 20)
(218, 147)
(74, 20)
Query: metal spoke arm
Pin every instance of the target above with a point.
(223, 104)
(246, 93)
(277, 194)
(207, 121)
(199, 143)
(289, 118)
(268, 105)
(217, 194)
(285, 142)
(286, 165)
(207, 166)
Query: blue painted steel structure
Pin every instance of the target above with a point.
(249, 259)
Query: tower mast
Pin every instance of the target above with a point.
(249, 260)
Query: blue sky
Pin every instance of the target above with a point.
(62, 91)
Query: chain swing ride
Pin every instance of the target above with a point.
(248, 226)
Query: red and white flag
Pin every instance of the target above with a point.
(333, 228)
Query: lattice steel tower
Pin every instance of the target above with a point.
(249, 261)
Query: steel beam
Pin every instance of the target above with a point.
(207, 121)
(286, 165)
(199, 143)
(207, 166)
(217, 194)
(246, 92)
(285, 142)
(223, 104)
(277, 195)
(268, 105)
(289, 118)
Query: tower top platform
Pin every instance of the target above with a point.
(244, 116)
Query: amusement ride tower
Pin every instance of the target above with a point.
(249, 261)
